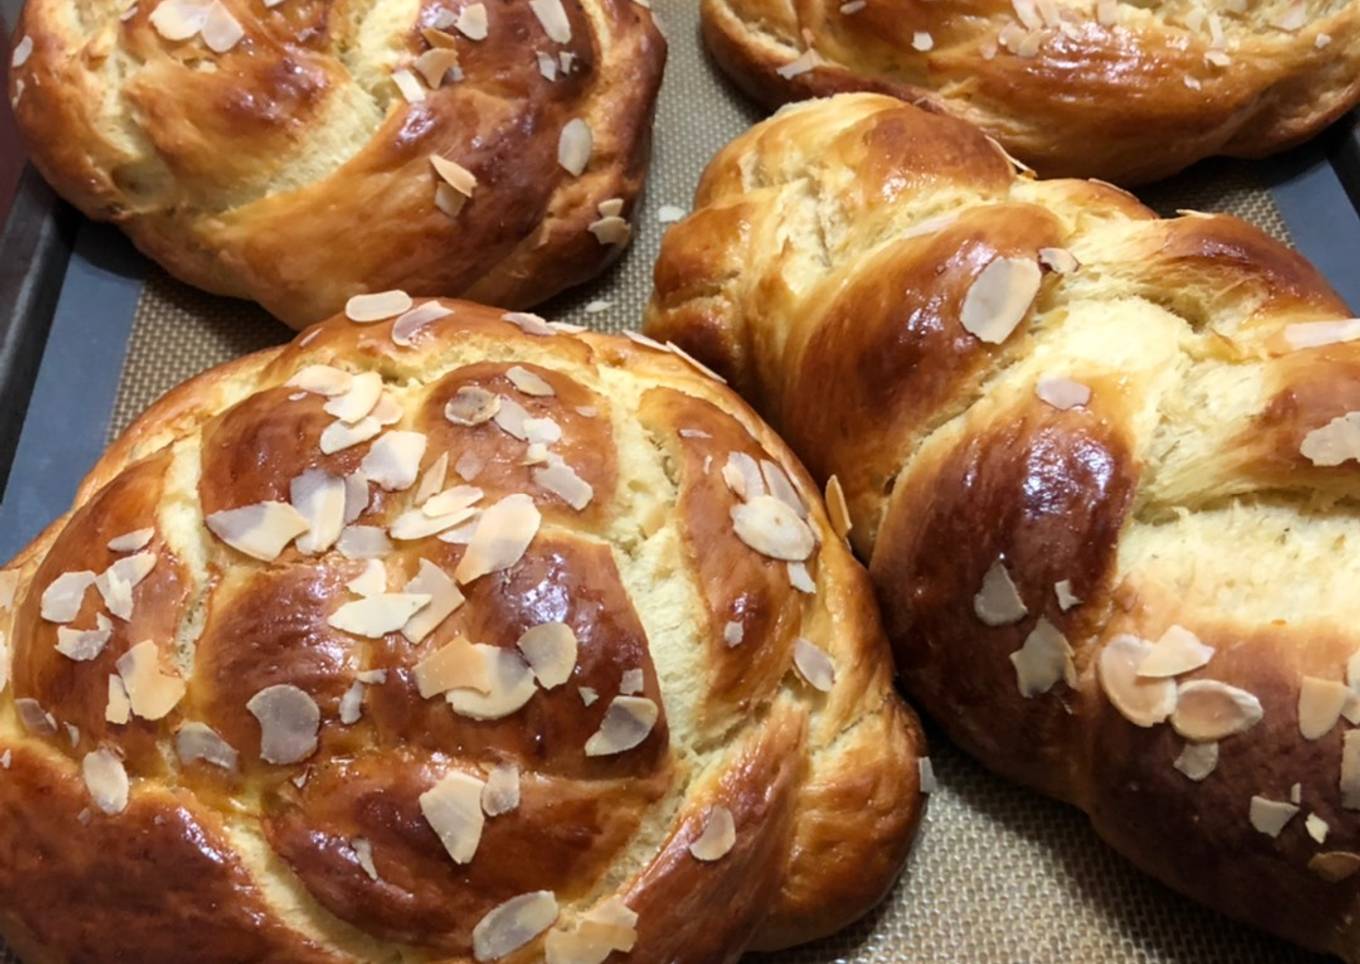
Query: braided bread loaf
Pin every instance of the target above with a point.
(1125, 91)
(418, 640)
(1100, 465)
(297, 152)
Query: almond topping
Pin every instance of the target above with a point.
(319, 499)
(106, 780)
(611, 230)
(511, 686)
(511, 925)
(561, 480)
(609, 927)
(814, 665)
(359, 400)
(999, 298)
(1043, 660)
(151, 693)
(63, 597)
(338, 436)
(743, 476)
(1207, 709)
(528, 382)
(1334, 866)
(177, 20)
(1066, 597)
(432, 481)
(83, 645)
(1142, 701)
(363, 542)
(457, 665)
(321, 380)
(352, 704)
(501, 792)
(627, 722)
(115, 584)
(1270, 816)
(1350, 770)
(198, 741)
(411, 323)
(375, 616)
(22, 51)
(1317, 827)
(261, 531)
(632, 681)
(503, 533)
(550, 650)
(1335, 442)
(221, 31)
(454, 175)
(1178, 651)
(1320, 705)
(472, 21)
(778, 484)
(435, 64)
(528, 322)
(377, 306)
(289, 720)
(574, 146)
(1062, 393)
(34, 718)
(553, 17)
(733, 633)
(801, 579)
(718, 836)
(998, 602)
(837, 508)
(1059, 259)
(393, 461)
(119, 708)
(444, 596)
(416, 524)
(132, 541)
(1315, 334)
(1197, 760)
(453, 809)
(411, 92)
(471, 405)
(773, 529)
(925, 774)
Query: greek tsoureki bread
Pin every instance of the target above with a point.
(297, 152)
(1078, 444)
(456, 637)
(1124, 91)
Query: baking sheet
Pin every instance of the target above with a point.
(998, 874)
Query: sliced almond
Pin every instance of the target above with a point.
(611, 230)
(106, 780)
(198, 741)
(718, 836)
(377, 306)
(837, 508)
(733, 632)
(9, 585)
(529, 382)
(528, 322)
(22, 51)
(432, 481)
(1335, 442)
(588, 695)
(999, 298)
(1315, 334)
(511, 925)
(363, 542)
(1061, 392)
(574, 146)
(511, 686)
(501, 793)
(352, 704)
(321, 380)
(319, 499)
(132, 541)
(469, 465)
(627, 723)
(221, 30)
(1043, 660)
(116, 583)
(743, 476)
(561, 480)
(177, 20)
(777, 483)
(1270, 816)
(34, 718)
(394, 460)
(1320, 705)
(1197, 760)
(375, 616)
(444, 596)
(338, 436)
(553, 16)
(998, 602)
(119, 707)
(504, 531)
(925, 773)
(632, 681)
(1296, 793)
(1178, 651)
(1207, 709)
(261, 531)
(472, 21)
(550, 650)
(801, 579)
(359, 400)
(409, 324)
(356, 496)
(1143, 701)
(416, 524)
(1058, 259)
(63, 597)
(151, 693)
(410, 90)
(83, 645)
(471, 405)
(1350, 770)
(449, 201)
(456, 665)
(608, 927)
(1334, 866)
(454, 175)
(453, 809)
(363, 851)
(434, 66)
(1317, 827)
(289, 720)
(773, 529)
(814, 665)
(1066, 597)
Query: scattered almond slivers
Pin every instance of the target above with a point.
(510, 686)
(814, 665)
(444, 595)
(198, 741)
(1207, 709)
(770, 527)
(500, 795)
(1320, 704)
(574, 146)
(1197, 760)
(999, 298)
(1178, 651)
(261, 531)
(106, 780)
(1142, 701)
(998, 602)
(456, 665)
(1315, 334)
(1270, 816)
(151, 693)
(289, 720)
(511, 925)
(62, 599)
(718, 836)
(1333, 443)
(453, 809)
(553, 17)
(626, 724)
(608, 927)
(377, 306)
(1043, 660)
(837, 508)
(504, 531)
(550, 651)
(375, 616)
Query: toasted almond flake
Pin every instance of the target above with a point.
(359, 400)
(363, 852)
(528, 382)
(998, 602)
(1178, 651)
(550, 650)
(837, 508)
(611, 230)
(73, 734)
(319, 499)
(814, 665)
(1323, 41)
(511, 925)
(63, 597)
(588, 695)
(472, 22)
(432, 481)
(590, 411)
(375, 616)
(561, 480)
(9, 585)
(411, 323)
(613, 207)
(598, 305)
(444, 599)
(627, 722)
(119, 707)
(500, 794)
(459, 535)
(632, 681)
(34, 718)
(221, 31)
(1292, 18)
(574, 146)
(1142, 701)
(455, 176)
(106, 780)
(472, 405)
(177, 20)
(377, 306)
(528, 322)
(1350, 770)
(6, 759)
(453, 809)
(1059, 260)
(743, 476)
(1207, 709)
(151, 693)
(83, 645)
(435, 65)
(198, 741)
(1296, 793)
(321, 380)
(116, 583)
(503, 533)
(22, 51)
(393, 461)
(1320, 704)
(1315, 334)
(352, 704)
(452, 501)
(801, 579)
(511, 686)
(1317, 827)
(608, 927)
(1043, 660)
(800, 65)
(412, 93)
(1334, 866)
(553, 16)
(1217, 58)
(778, 485)
(448, 200)
(1061, 392)
(771, 528)
(922, 41)
(547, 66)
(1066, 597)
(372, 677)
(289, 720)
(1197, 760)
(1334, 442)
(718, 836)
(1270, 816)
(456, 665)
(132, 541)
(338, 436)
(999, 298)
(853, 7)
(566, 60)
(733, 633)
(363, 542)
(261, 531)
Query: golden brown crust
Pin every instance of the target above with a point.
(1123, 92)
(1180, 492)
(823, 788)
(290, 170)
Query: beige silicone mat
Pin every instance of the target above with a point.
(998, 875)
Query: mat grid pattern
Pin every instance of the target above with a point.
(999, 874)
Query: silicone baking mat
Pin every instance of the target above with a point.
(998, 874)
